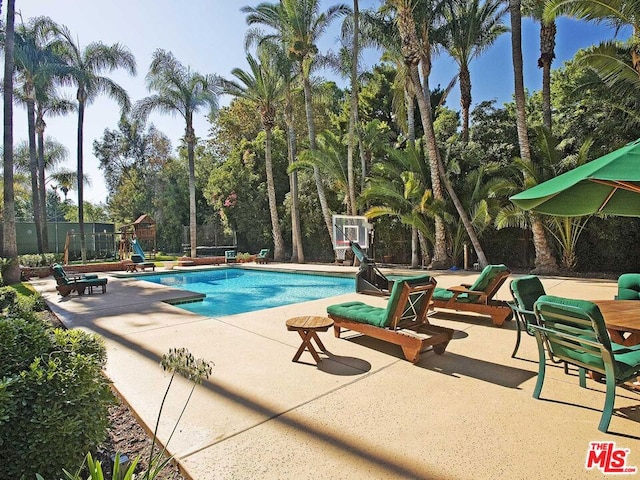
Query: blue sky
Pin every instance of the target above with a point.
(208, 36)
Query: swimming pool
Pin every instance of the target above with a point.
(232, 290)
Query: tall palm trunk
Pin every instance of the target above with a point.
(326, 213)
(411, 124)
(190, 137)
(33, 171)
(10, 248)
(545, 262)
(353, 114)
(547, 54)
(81, 105)
(278, 242)
(415, 248)
(40, 126)
(465, 100)
(411, 137)
(297, 254)
(412, 58)
(518, 75)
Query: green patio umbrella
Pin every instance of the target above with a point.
(609, 185)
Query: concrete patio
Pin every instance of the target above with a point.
(363, 412)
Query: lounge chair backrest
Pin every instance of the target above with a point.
(263, 253)
(526, 291)
(574, 330)
(487, 278)
(489, 281)
(409, 299)
(629, 286)
(59, 274)
(230, 254)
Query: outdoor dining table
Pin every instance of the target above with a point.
(622, 318)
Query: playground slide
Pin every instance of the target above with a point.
(137, 249)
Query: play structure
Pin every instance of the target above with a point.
(138, 237)
(353, 233)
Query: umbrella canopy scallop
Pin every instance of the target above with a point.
(608, 185)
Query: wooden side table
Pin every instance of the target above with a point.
(308, 328)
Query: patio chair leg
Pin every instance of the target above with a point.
(582, 375)
(541, 367)
(610, 398)
(519, 334)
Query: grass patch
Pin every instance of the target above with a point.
(24, 289)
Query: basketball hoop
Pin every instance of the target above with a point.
(340, 254)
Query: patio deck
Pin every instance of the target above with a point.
(362, 413)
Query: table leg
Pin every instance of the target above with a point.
(314, 334)
(306, 336)
(619, 337)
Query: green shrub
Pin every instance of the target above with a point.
(36, 260)
(243, 256)
(8, 298)
(15, 304)
(53, 398)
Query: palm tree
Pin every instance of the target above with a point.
(535, 9)
(329, 160)
(179, 89)
(471, 28)
(286, 70)
(47, 102)
(550, 164)
(11, 274)
(36, 66)
(263, 88)
(417, 52)
(86, 66)
(604, 58)
(545, 261)
(299, 24)
(398, 188)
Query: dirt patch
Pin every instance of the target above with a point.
(127, 437)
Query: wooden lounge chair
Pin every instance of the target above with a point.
(403, 322)
(78, 283)
(575, 332)
(230, 256)
(478, 297)
(262, 257)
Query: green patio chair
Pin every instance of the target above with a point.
(574, 331)
(478, 297)
(629, 286)
(230, 256)
(525, 291)
(403, 322)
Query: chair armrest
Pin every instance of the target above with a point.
(462, 289)
(520, 310)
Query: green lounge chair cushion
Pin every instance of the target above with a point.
(377, 316)
(480, 285)
(360, 312)
(263, 253)
(627, 359)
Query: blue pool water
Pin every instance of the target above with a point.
(232, 290)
